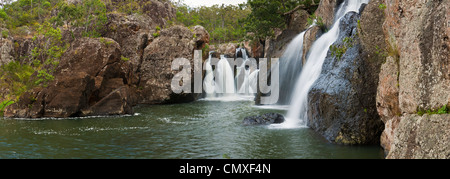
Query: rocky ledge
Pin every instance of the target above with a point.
(265, 119)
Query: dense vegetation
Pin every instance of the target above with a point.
(41, 20)
(227, 23)
(44, 21)
(223, 22)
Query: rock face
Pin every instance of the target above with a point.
(89, 73)
(418, 31)
(6, 50)
(341, 104)
(415, 77)
(265, 119)
(156, 73)
(326, 11)
(424, 137)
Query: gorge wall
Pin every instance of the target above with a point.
(130, 64)
(395, 72)
(415, 78)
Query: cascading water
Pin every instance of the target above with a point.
(290, 67)
(297, 113)
(221, 83)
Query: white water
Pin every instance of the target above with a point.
(297, 113)
(290, 67)
(221, 84)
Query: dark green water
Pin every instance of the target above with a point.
(203, 129)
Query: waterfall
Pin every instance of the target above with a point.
(222, 84)
(297, 113)
(290, 67)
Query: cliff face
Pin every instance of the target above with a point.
(130, 64)
(415, 77)
(398, 67)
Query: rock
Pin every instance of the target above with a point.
(418, 32)
(6, 50)
(156, 74)
(88, 72)
(201, 36)
(275, 47)
(68, 95)
(133, 33)
(371, 33)
(115, 103)
(254, 49)
(265, 119)
(387, 100)
(326, 11)
(228, 49)
(311, 35)
(298, 21)
(416, 73)
(341, 104)
(421, 137)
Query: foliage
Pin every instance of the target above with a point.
(16, 78)
(124, 58)
(26, 13)
(3, 105)
(266, 15)
(382, 6)
(443, 110)
(223, 22)
(19, 78)
(5, 34)
(89, 15)
(47, 52)
(318, 21)
(339, 50)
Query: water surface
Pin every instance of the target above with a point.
(202, 129)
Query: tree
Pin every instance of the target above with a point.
(266, 15)
(19, 78)
(223, 22)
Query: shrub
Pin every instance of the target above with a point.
(5, 34)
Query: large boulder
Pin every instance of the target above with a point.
(156, 73)
(341, 104)
(90, 71)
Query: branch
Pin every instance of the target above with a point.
(295, 9)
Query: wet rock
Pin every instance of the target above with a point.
(265, 119)
(341, 104)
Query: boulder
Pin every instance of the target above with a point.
(341, 104)
(201, 36)
(115, 103)
(228, 49)
(156, 73)
(265, 119)
(87, 74)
